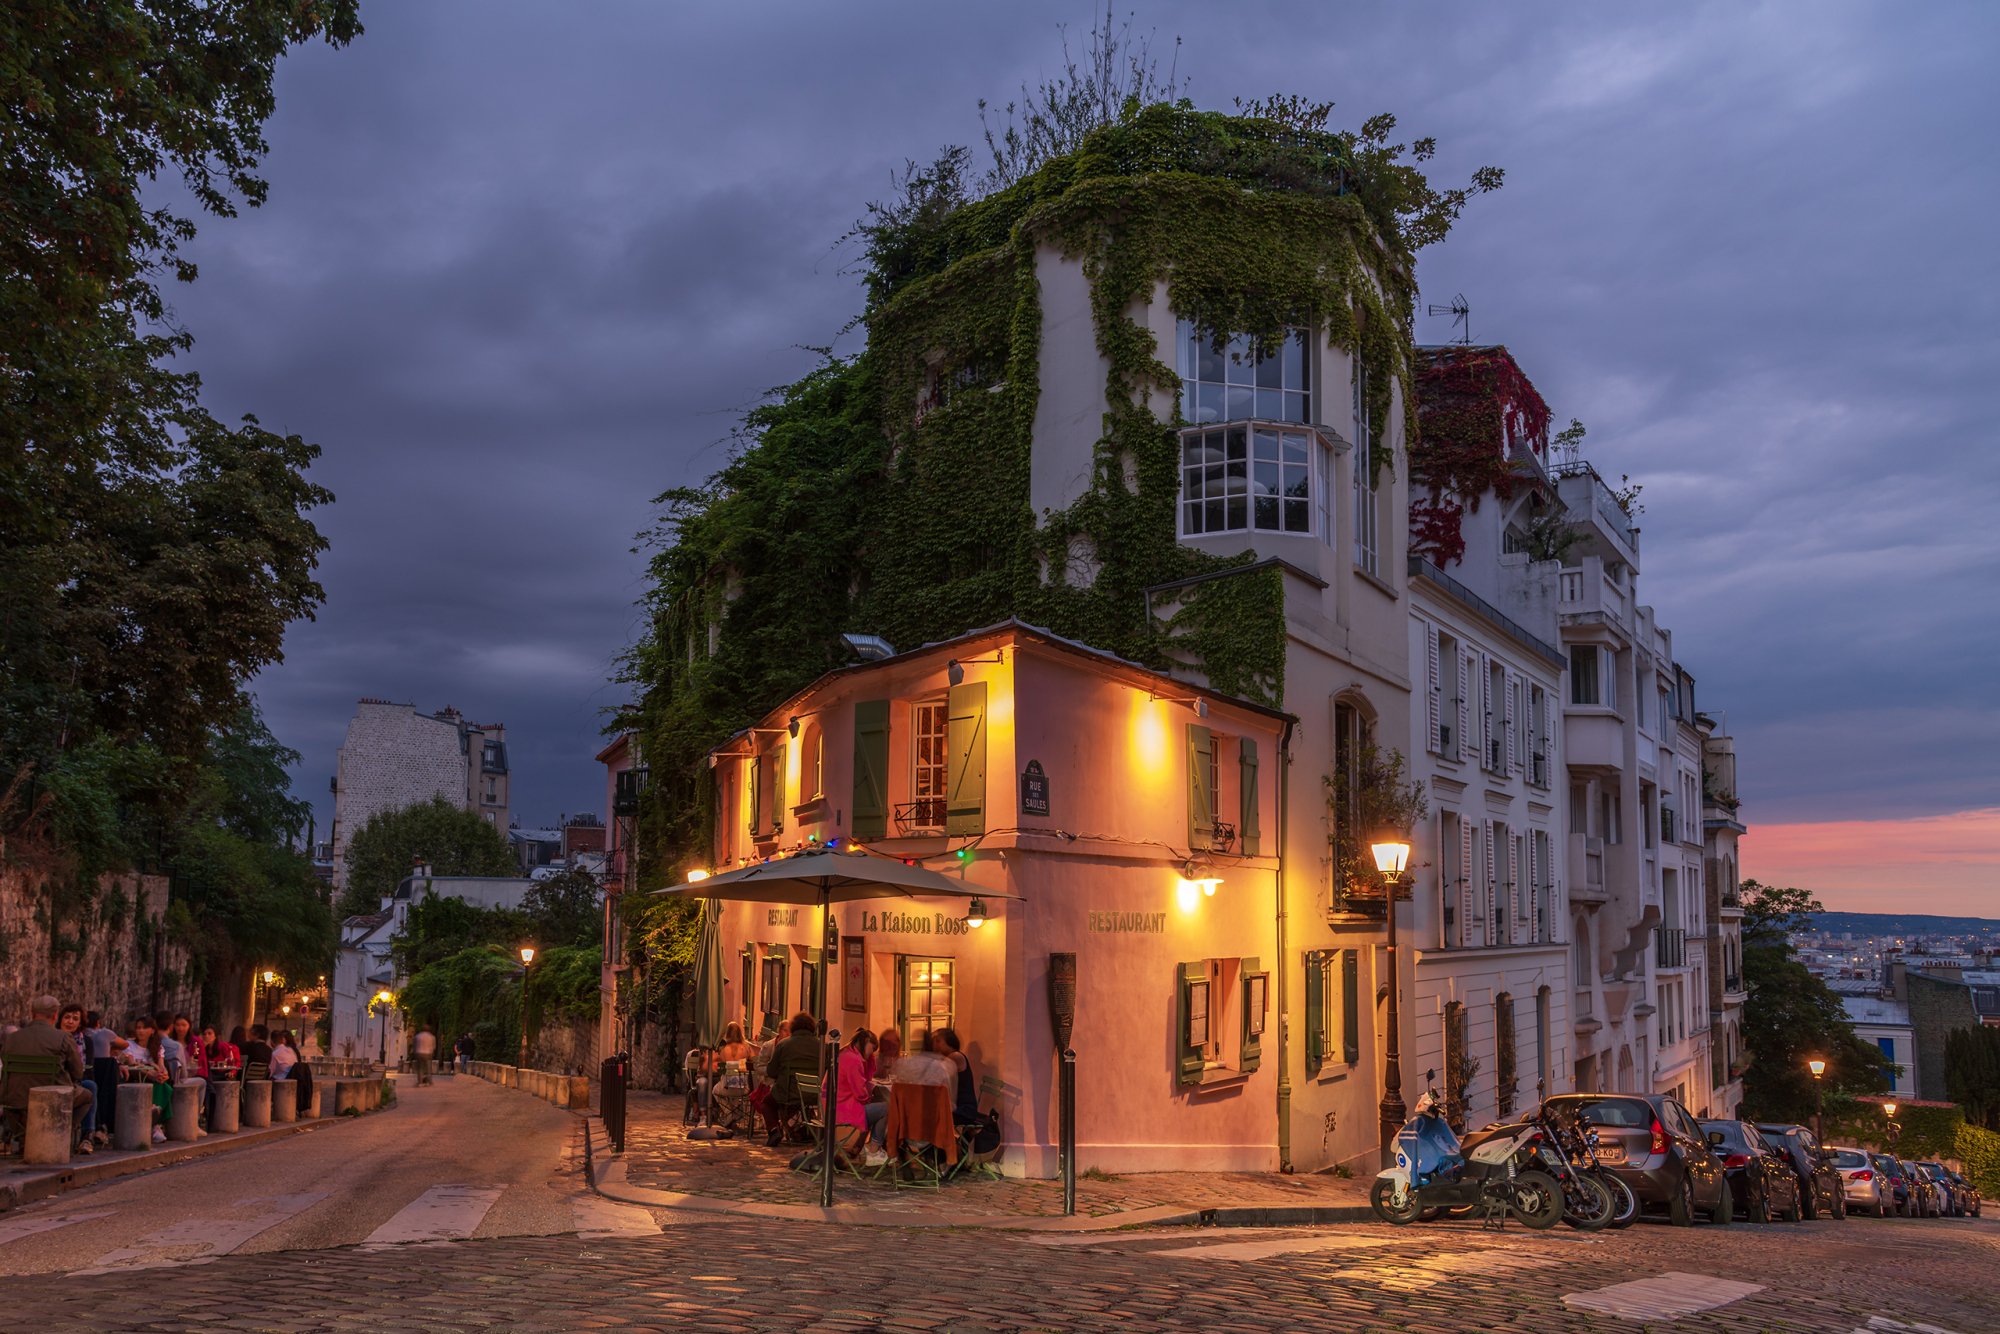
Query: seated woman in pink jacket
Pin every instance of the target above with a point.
(853, 1090)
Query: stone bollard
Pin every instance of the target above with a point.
(46, 1137)
(371, 1095)
(256, 1104)
(312, 1108)
(135, 1116)
(184, 1114)
(227, 1118)
(346, 1096)
(284, 1102)
(579, 1093)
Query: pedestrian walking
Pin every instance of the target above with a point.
(425, 1049)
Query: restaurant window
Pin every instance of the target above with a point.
(927, 995)
(772, 975)
(929, 725)
(1331, 984)
(809, 970)
(1229, 378)
(1224, 1005)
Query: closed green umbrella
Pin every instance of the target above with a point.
(708, 1002)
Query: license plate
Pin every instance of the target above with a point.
(1611, 1153)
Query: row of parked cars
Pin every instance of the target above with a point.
(1760, 1171)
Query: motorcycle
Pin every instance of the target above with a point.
(1578, 1142)
(1498, 1173)
(1593, 1199)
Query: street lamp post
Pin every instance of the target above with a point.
(382, 1002)
(1889, 1115)
(1390, 859)
(527, 957)
(1818, 1068)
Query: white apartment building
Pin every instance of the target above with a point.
(1721, 828)
(1633, 758)
(394, 757)
(1490, 916)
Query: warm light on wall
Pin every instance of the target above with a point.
(1188, 894)
(697, 875)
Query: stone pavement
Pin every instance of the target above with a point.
(733, 1275)
(662, 1167)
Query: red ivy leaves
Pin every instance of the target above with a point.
(1474, 407)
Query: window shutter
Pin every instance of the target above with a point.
(1466, 695)
(1350, 1006)
(1201, 820)
(748, 996)
(1488, 886)
(1548, 741)
(965, 778)
(1188, 1069)
(903, 996)
(1517, 877)
(756, 795)
(776, 798)
(1250, 1054)
(1246, 826)
(1513, 686)
(1486, 719)
(1315, 1011)
(1467, 908)
(1535, 885)
(871, 769)
(1433, 695)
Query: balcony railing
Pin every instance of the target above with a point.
(1732, 982)
(1609, 511)
(1670, 947)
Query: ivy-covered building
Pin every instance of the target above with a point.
(1150, 397)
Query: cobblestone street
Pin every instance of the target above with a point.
(735, 1275)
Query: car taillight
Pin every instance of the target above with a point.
(1659, 1138)
(1863, 1175)
(1737, 1160)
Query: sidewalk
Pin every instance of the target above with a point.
(21, 1183)
(663, 1168)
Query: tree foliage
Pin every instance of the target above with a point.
(565, 910)
(448, 838)
(1791, 1016)
(1972, 1073)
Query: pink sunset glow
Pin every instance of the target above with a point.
(1946, 864)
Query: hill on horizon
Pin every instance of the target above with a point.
(1904, 924)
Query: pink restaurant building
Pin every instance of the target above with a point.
(1080, 783)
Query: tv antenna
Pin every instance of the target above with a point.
(1461, 317)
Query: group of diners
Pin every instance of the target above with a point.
(738, 1081)
(68, 1045)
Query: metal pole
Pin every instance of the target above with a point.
(1819, 1107)
(1066, 1127)
(1393, 1112)
(829, 1055)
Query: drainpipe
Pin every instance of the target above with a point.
(1284, 960)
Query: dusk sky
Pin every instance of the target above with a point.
(523, 265)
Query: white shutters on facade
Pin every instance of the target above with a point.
(1434, 694)
(1535, 885)
(1523, 889)
(1467, 909)
(1487, 888)
(1513, 687)
(1466, 695)
(1485, 712)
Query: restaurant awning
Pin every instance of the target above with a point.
(831, 876)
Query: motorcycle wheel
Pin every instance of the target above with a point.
(1624, 1204)
(1598, 1206)
(1382, 1199)
(1536, 1200)
(1430, 1215)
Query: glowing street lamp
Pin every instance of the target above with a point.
(1818, 1068)
(1391, 857)
(527, 957)
(383, 999)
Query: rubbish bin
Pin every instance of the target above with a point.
(611, 1098)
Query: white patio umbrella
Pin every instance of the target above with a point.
(827, 876)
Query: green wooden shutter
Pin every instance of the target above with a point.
(776, 797)
(1251, 1050)
(1350, 1006)
(1188, 1069)
(903, 999)
(1201, 758)
(871, 769)
(1246, 826)
(809, 983)
(965, 764)
(756, 795)
(748, 998)
(1315, 1011)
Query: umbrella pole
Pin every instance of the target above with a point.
(828, 1060)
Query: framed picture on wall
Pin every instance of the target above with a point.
(853, 973)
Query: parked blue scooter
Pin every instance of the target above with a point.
(1434, 1172)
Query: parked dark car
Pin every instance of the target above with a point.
(1654, 1146)
(1902, 1190)
(1869, 1189)
(1930, 1199)
(1820, 1188)
(1760, 1177)
(1950, 1185)
(1971, 1194)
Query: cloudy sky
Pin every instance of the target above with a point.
(523, 264)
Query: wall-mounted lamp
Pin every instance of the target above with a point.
(975, 914)
(697, 874)
(954, 670)
(1195, 702)
(1202, 877)
(792, 727)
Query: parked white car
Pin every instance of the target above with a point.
(1864, 1186)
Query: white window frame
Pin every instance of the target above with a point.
(930, 734)
(1214, 464)
(1367, 510)
(1234, 399)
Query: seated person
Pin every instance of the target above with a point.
(923, 1065)
(854, 1093)
(796, 1055)
(965, 1089)
(41, 1037)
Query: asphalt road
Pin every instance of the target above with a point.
(458, 1159)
